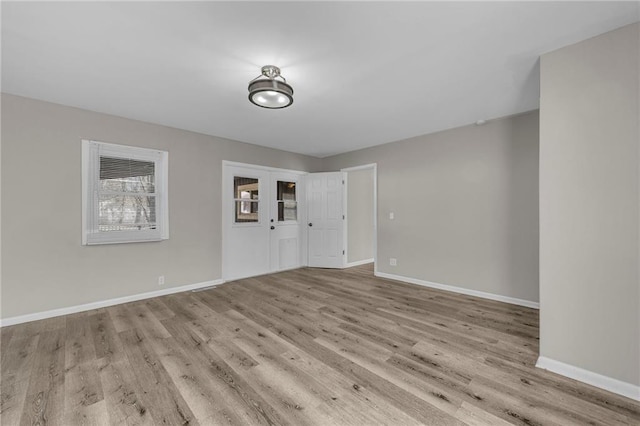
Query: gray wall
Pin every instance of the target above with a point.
(360, 215)
(589, 195)
(465, 204)
(44, 265)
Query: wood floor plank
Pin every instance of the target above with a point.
(509, 343)
(120, 317)
(5, 337)
(268, 348)
(158, 390)
(44, 403)
(84, 400)
(301, 347)
(106, 342)
(434, 396)
(143, 319)
(32, 328)
(361, 376)
(346, 394)
(17, 366)
(191, 304)
(206, 398)
(79, 344)
(467, 343)
(614, 405)
(511, 407)
(91, 415)
(176, 302)
(216, 369)
(483, 318)
(159, 309)
(210, 299)
(463, 327)
(438, 359)
(222, 344)
(121, 391)
(474, 416)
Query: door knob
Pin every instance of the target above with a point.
(310, 224)
(273, 227)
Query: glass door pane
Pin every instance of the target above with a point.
(247, 199)
(286, 199)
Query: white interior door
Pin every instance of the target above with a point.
(246, 217)
(325, 219)
(285, 231)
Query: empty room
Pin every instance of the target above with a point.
(320, 213)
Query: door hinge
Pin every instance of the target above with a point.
(342, 217)
(343, 252)
(343, 181)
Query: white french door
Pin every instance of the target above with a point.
(246, 240)
(285, 229)
(325, 219)
(261, 220)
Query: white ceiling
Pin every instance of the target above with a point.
(364, 73)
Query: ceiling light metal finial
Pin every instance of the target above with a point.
(267, 91)
(271, 71)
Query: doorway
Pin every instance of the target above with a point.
(276, 219)
(361, 211)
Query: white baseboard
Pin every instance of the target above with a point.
(104, 303)
(358, 263)
(589, 377)
(461, 290)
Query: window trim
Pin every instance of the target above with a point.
(91, 152)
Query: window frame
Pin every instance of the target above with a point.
(91, 153)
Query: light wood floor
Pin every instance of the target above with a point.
(309, 346)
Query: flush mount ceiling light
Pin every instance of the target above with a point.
(270, 90)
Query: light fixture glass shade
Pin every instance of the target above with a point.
(269, 92)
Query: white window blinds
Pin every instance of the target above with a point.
(127, 199)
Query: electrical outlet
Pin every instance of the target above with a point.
(393, 261)
(161, 280)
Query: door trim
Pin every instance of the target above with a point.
(374, 167)
(259, 167)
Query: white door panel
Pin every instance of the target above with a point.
(315, 243)
(325, 219)
(288, 253)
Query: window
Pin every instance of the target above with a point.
(124, 194)
(287, 205)
(245, 193)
